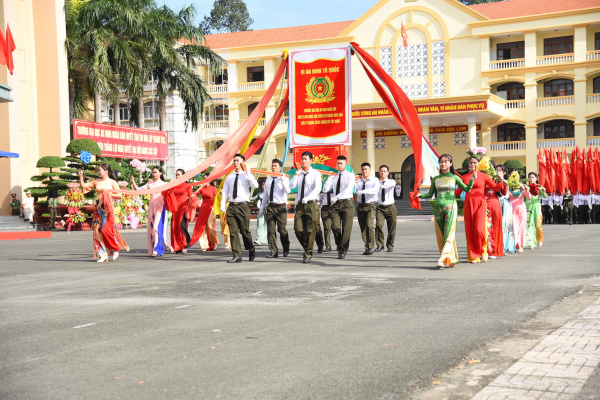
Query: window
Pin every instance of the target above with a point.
(260, 149)
(256, 74)
(514, 90)
(150, 111)
(510, 51)
(124, 113)
(597, 42)
(251, 108)
(218, 143)
(221, 113)
(597, 127)
(380, 143)
(558, 87)
(222, 78)
(596, 83)
(111, 113)
(559, 129)
(558, 45)
(511, 133)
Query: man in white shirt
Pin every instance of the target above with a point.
(343, 207)
(308, 182)
(557, 200)
(386, 210)
(237, 189)
(274, 207)
(326, 211)
(398, 190)
(546, 203)
(28, 207)
(367, 189)
(596, 208)
(583, 202)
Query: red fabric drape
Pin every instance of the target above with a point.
(108, 231)
(2, 48)
(10, 47)
(208, 194)
(176, 201)
(543, 167)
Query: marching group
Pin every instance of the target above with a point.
(498, 219)
(571, 208)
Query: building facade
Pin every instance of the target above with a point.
(512, 76)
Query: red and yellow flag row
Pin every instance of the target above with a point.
(580, 173)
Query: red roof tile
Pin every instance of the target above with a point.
(521, 8)
(279, 35)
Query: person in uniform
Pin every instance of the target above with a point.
(398, 191)
(27, 207)
(15, 205)
(557, 200)
(326, 210)
(342, 185)
(568, 207)
(274, 208)
(308, 182)
(52, 203)
(386, 210)
(596, 208)
(237, 190)
(367, 190)
(546, 204)
(583, 203)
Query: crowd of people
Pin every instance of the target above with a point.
(502, 215)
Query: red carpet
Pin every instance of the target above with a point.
(25, 235)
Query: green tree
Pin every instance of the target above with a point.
(471, 2)
(50, 181)
(227, 16)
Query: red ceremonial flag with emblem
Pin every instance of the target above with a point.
(10, 47)
(543, 174)
(2, 48)
(404, 35)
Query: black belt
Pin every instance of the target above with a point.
(367, 204)
(382, 206)
(343, 200)
(308, 202)
(239, 202)
(277, 204)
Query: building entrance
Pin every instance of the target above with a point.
(408, 176)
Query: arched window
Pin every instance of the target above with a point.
(597, 127)
(251, 108)
(559, 129)
(511, 132)
(596, 83)
(558, 87)
(514, 90)
(218, 144)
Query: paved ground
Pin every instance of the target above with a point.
(385, 326)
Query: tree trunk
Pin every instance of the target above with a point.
(162, 113)
(140, 116)
(117, 114)
(98, 106)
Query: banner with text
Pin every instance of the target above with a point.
(442, 108)
(124, 142)
(320, 103)
(432, 129)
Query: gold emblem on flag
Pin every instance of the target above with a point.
(319, 90)
(320, 159)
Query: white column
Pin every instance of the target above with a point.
(579, 42)
(232, 76)
(530, 48)
(371, 143)
(485, 52)
(472, 125)
(425, 132)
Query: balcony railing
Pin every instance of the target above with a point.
(502, 64)
(250, 86)
(515, 104)
(555, 59)
(593, 141)
(548, 143)
(508, 145)
(288, 158)
(150, 85)
(151, 124)
(219, 124)
(253, 159)
(555, 101)
(593, 98)
(216, 88)
(593, 55)
(282, 121)
(262, 122)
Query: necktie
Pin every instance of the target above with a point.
(235, 183)
(364, 196)
(339, 184)
(328, 198)
(302, 189)
(272, 188)
(383, 195)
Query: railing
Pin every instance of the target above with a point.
(555, 59)
(593, 98)
(251, 86)
(287, 160)
(253, 159)
(515, 104)
(150, 86)
(262, 122)
(502, 64)
(216, 124)
(555, 101)
(151, 124)
(593, 55)
(216, 88)
(548, 143)
(508, 145)
(282, 121)
(593, 141)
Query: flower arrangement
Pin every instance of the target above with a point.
(74, 196)
(485, 166)
(477, 152)
(85, 156)
(140, 166)
(514, 181)
(534, 189)
(130, 208)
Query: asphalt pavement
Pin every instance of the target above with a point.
(192, 326)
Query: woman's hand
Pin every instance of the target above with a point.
(131, 179)
(418, 195)
(474, 175)
(80, 173)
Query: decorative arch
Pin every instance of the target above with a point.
(502, 80)
(555, 116)
(558, 75)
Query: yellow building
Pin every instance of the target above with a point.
(511, 76)
(34, 106)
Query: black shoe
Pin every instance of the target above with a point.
(272, 256)
(235, 260)
(252, 254)
(341, 256)
(390, 249)
(327, 249)
(306, 260)
(286, 252)
(320, 250)
(368, 252)
(378, 248)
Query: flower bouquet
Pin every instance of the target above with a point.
(477, 152)
(486, 166)
(514, 181)
(534, 189)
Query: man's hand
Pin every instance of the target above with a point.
(304, 201)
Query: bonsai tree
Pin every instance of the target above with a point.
(515, 164)
(75, 149)
(49, 180)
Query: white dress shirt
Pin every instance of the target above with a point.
(280, 191)
(557, 199)
(369, 188)
(398, 190)
(346, 186)
(312, 188)
(28, 204)
(245, 182)
(582, 200)
(387, 187)
(326, 200)
(596, 199)
(546, 201)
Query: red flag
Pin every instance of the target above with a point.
(550, 171)
(543, 169)
(10, 47)
(580, 169)
(573, 180)
(564, 171)
(597, 171)
(2, 48)
(591, 172)
(404, 35)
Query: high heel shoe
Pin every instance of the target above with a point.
(103, 258)
(115, 255)
(484, 258)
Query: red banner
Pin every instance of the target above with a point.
(433, 129)
(424, 109)
(324, 155)
(124, 142)
(320, 97)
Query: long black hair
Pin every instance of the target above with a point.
(503, 168)
(112, 174)
(449, 157)
(158, 167)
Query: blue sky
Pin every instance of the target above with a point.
(278, 14)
